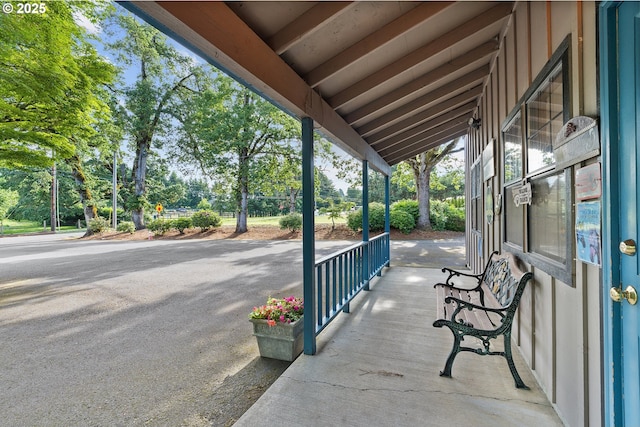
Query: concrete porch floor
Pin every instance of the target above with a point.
(379, 366)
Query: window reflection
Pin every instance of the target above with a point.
(544, 120)
(513, 150)
(514, 219)
(548, 217)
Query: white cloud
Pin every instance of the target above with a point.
(85, 23)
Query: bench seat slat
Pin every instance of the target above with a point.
(478, 318)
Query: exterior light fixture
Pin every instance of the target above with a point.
(475, 122)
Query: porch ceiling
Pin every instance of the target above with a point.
(383, 80)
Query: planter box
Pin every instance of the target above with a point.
(284, 341)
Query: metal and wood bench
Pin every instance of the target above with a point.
(484, 311)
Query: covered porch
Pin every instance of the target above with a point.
(379, 365)
(386, 81)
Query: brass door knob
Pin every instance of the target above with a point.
(630, 294)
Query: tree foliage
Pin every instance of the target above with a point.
(237, 138)
(49, 83)
(8, 200)
(60, 102)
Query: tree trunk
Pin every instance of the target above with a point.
(139, 175)
(242, 192)
(423, 178)
(88, 204)
(422, 165)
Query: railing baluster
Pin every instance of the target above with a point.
(341, 276)
(342, 273)
(320, 320)
(334, 292)
(327, 300)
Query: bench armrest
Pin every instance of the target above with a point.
(461, 304)
(458, 288)
(456, 273)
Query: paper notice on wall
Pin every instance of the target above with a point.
(588, 242)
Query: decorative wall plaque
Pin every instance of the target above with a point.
(578, 140)
(488, 204)
(588, 182)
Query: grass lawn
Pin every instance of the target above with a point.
(22, 227)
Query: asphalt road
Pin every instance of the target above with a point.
(122, 333)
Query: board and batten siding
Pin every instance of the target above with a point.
(557, 329)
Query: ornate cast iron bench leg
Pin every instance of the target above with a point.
(512, 366)
(454, 352)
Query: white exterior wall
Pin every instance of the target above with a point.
(558, 324)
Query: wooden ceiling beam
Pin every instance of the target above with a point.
(375, 40)
(427, 79)
(475, 76)
(465, 111)
(425, 146)
(307, 23)
(416, 57)
(467, 98)
(444, 129)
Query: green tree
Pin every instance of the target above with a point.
(196, 190)
(421, 166)
(236, 137)
(34, 189)
(397, 191)
(8, 200)
(447, 180)
(354, 195)
(204, 205)
(333, 211)
(165, 80)
(289, 173)
(51, 92)
(49, 74)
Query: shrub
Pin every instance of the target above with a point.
(104, 212)
(408, 206)
(354, 220)
(455, 219)
(205, 220)
(98, 225)
(126, 227)
(402, 220)
(446, 217)
(181, 224)
(376, 218)
(159, 226)
(293, 222)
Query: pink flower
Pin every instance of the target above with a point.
(271, 322)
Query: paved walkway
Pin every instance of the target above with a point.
(379, 365)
